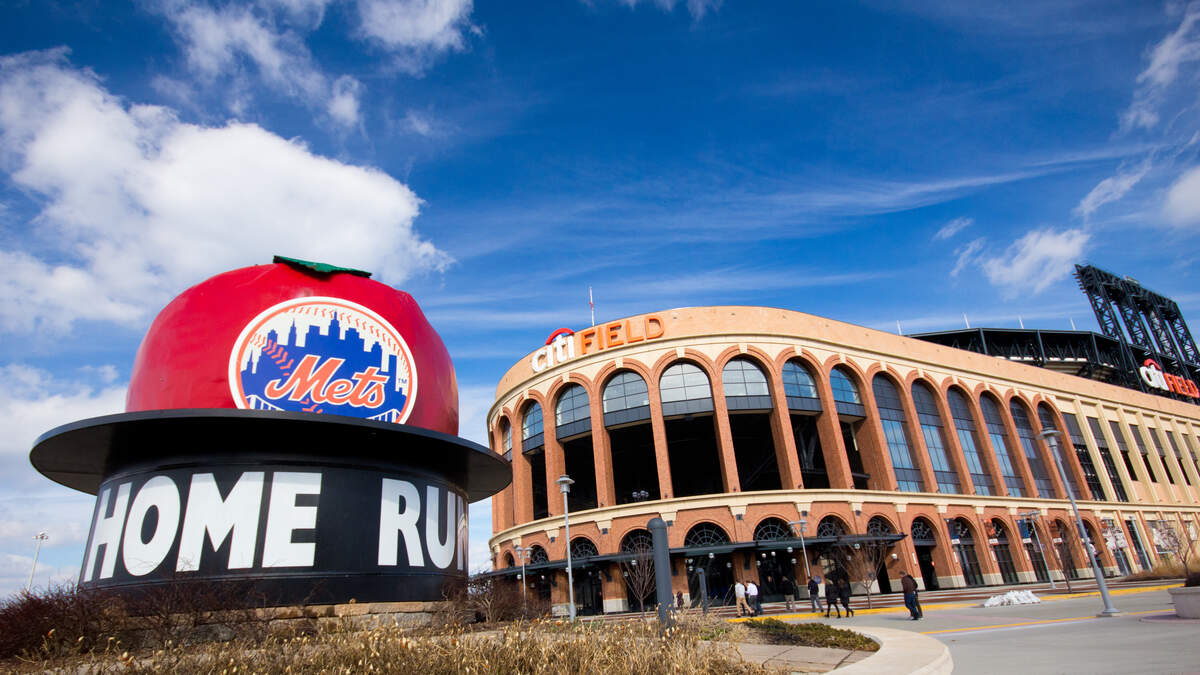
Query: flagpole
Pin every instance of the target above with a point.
(592, 305)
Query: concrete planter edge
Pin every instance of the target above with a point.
(1187, 601)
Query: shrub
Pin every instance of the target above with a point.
(1193, 579)
(1161, 570)
(60, 620)
(777, 632)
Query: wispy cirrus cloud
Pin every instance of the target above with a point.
(1167, 58)
(1112, 189)
(952, 228)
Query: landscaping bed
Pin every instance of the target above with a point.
(776, 632)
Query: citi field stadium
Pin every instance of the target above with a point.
(768, 438)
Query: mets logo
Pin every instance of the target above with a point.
(323, 355)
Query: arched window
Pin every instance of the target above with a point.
(704, 535)
(879, 527)
(1041, 478)
(772, 529)
(685, 390)
(934, 433)
(1004, 451)
(891, 416)
(922, 533)
(1046, 417)
(572, 415)
(582, 547)
(626, 399)
(538, 555)
(506, 434)
(508, 560)
(843, 387)
(531, 428)
(964, 426)
(637, 541)
(745, 386)
(799, 387)
(831, 526)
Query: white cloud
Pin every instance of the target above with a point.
(33, 403)
(697, 8)
(953, 227)
(1111, 189)
(967, 255)
(416, 30)
(419, 124)
(227, 42)
(136, 204)
(344, 104)
(1180, 47)
(1036, 260)
(1182, 206)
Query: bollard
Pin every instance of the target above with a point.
(662, 570)
(703, 589)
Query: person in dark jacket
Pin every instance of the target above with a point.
(831, 597)
(789, 592)
(910, 595)
(843, 590)
(814, 593)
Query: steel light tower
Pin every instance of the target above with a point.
(564, 485)
(39, 538)
(1051, 436)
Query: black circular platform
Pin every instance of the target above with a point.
(81, 454)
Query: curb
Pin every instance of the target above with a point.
(901, 651)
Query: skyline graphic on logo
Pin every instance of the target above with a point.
(323, 355)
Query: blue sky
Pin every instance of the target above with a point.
(870, 162)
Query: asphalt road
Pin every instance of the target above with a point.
(1057, 636)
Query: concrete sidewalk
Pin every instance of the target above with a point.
(1058, 636)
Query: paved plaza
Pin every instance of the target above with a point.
(1061, 635)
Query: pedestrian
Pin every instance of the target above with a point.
(844, 595)
(789, 590)
(831, 597)
(679, 600)
(752, 597)
(814, 593)
(910, 594)
(739, 592)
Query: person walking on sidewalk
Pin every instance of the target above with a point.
(844, 595)
(753, 598)
(789, 592)
(739, 592)
(814, 593)
(910, 594)
(831, 597)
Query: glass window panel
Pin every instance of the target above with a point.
(887, 400)
(1041, 478)
(843, 387)
(624, 391)
(572, 406)
(532, 424)
(1000, 444)
(684, 382)
(797, 381)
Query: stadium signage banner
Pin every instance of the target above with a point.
(565, 344)
(1153, 375)
(289, 521)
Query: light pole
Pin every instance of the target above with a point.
(803, 550)
(1051, 436)
(1031, 516)
(39, 538)
(564, 485)
(523, 554)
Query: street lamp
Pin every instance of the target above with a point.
(523, 554)
(564, 485)
(1031, 516)
(1051, 436)
(39, 538)
(804, 550)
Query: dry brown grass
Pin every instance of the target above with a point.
(540, 646)
(1161, 570)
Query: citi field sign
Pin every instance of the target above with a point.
(1153, 375)
(565, 344)
(291, 427)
